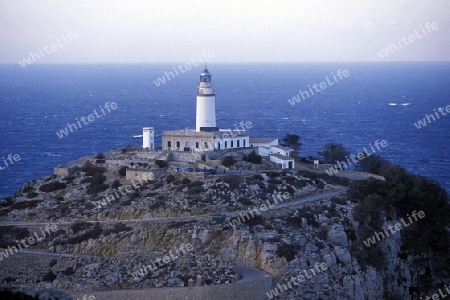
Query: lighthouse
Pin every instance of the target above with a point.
(206, 104)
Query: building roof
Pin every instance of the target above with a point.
(262, 140)
(282, 157)
(283, 148)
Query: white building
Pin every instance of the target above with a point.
(265, 142)
(284, 161)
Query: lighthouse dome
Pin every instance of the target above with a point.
(205, 76)
(205, 72)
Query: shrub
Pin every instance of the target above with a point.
(15, 232)
(100, 156)
(161, 163)
(95, 189)
(245, 201)
(97, 178)
(170, 178)
(341, 201)
(257, 177)
(253, 158)
(68, 271)
(53, 262)
(287, 251)
(115, 184)
(185, 181)
(49, 277)
(32, 195)
(6, 201)
(52, 186)
(228, 161)
(275, 181)
(100, 161)
(26, 204)
(80, 226)
(69, 179)
(273, 174)
(122, 171)
(320, 185)
(28, 189)
(119, 227)
(233, 181)
(294, 221)
(90, 234)
(156, 204)
(322, 233)
(256, 220)
(90, 169)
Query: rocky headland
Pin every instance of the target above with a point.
(112, 220)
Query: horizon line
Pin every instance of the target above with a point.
(248, 62)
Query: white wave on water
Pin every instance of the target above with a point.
(51, 154)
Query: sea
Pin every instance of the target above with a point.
(376, 101)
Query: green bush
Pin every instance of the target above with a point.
(52, 186)
(53, 262)
(80, 226)
(170, 178)
(95, 189)
(253, 158)
(49, 277)
(122, 171)
(69, 271)
(115, 184)
(161, 164)
(32, 195)
(90, 169)
(228, 161)
(287, 251)
(26, 204)
(93, 233)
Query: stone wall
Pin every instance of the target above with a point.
(246, 289)
(187, 157)
(65, 171)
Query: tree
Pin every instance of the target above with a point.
(374, 164)
(228, 161)
(292, 141)
(333, 152)
(253, 158)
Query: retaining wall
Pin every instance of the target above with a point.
(245, 289)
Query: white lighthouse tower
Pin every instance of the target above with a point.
(206, 104)
(148, 138)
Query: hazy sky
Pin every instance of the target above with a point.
(135, 31)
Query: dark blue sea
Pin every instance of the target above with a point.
(39, 100)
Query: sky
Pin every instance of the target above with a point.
(168, 31)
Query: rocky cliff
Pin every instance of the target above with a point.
(305, 228)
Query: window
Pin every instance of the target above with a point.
(178, 144)
(231, 144)
(206, 145)
(226, 144)
(244, 143)
(196, 145)
(169, 144)
(238, 143)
